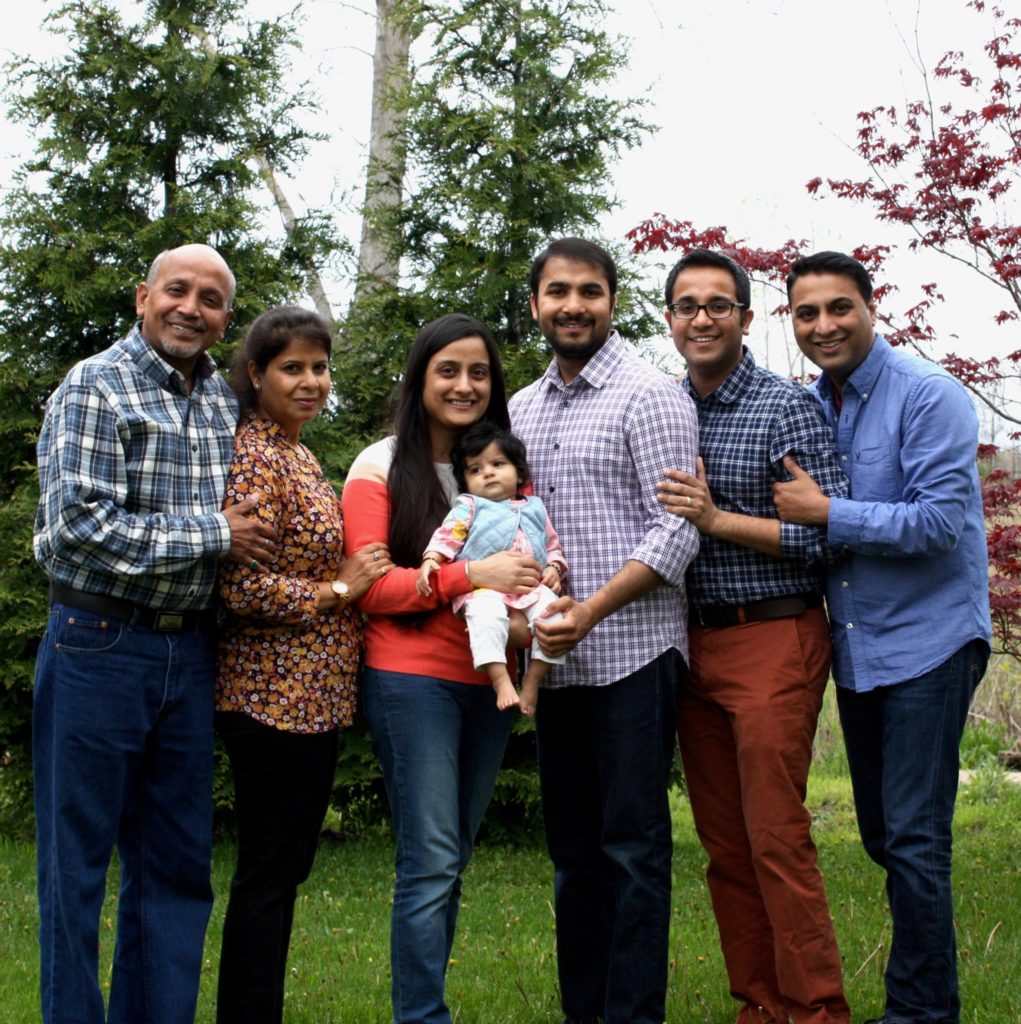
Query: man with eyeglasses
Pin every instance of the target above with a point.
(760, 653)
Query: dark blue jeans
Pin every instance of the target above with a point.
(903, 749)
(440, 745)
(605, 754)
(122, 753)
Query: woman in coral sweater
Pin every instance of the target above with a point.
(433, 717)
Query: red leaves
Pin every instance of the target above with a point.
(995, 110)
(942, 167)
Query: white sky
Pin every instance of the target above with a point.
(783, 79)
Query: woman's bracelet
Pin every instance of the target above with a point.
(560, 572)
(468, 574)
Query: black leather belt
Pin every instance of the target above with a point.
(721, 616)
(152, 618)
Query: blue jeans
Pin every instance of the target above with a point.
(122, 753)
(605, 754)
(440, 745)
(903, 749)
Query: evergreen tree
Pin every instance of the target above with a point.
(147, 137)
(508, 129)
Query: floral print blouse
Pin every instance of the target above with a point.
(281, 661)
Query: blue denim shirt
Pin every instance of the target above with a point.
(915, 586)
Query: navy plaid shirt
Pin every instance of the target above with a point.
(132, 470)
(596, 448)
(746, 427)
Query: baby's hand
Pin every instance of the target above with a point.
(551, 578)
(429, 566)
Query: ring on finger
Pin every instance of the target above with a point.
(687, 500)
(375, 556)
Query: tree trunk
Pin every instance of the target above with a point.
(378, 256)
(313, 281)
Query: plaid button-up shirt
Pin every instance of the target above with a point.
(746, 426)
(596, 448)
(132, 470)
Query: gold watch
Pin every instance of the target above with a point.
(342, 590)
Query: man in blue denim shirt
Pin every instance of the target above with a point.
(909, 607)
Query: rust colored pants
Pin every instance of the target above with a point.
(746, 721)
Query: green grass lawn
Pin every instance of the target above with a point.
(503, 970)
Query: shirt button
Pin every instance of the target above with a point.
(850, 625)
(556, 447)
(843, 583)
(194, 447)
(843, 458)
(195, 496)
(552, 489)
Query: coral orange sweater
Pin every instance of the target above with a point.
(436, 647)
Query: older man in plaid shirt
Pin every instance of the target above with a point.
(601, 426)
(760, 653)
(133, 456)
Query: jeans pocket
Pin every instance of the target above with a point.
(85, 633)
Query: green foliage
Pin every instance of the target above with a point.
(981, 743)
(510, 132)
(146, 138)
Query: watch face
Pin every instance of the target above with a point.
(340, 588)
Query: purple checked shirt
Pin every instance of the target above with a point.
(596, 448)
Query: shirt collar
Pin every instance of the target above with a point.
(864, 376)
(597, 371)
(733, 385)
(157, 369)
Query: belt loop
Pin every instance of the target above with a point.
(741, 615)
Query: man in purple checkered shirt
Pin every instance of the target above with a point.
(760, 653)
(601, 428)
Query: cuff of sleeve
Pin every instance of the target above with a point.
(668, 556)
(802, 542)
(843, 528)
(450, 581)
(218, 532)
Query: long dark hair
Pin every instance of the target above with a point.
(418, 501)
(270, 333)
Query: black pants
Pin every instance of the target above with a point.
(605, 754)
(282, 784)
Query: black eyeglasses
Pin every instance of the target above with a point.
(716, 309)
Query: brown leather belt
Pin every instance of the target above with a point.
(190, 621)
(722, 616)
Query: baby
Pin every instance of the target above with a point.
(490, 465)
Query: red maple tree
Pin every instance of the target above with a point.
(945, 173)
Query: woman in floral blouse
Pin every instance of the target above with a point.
(289, 653)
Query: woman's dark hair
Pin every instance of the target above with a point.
(418, 501)
(476, 439)
(269, 334)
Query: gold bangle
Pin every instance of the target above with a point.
(468, 574)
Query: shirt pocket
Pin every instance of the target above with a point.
(875, 474)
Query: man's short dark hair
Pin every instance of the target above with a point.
(710, 258)
(581, 251)
(831, 263)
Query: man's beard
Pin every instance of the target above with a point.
(576, 352)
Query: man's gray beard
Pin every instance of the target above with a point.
(181, 349)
